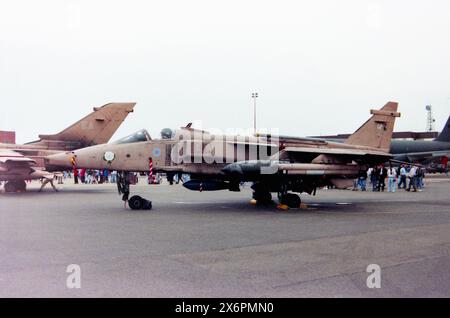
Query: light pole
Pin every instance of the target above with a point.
(254, 96)
(430, 118)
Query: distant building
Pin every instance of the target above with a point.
(7, 137)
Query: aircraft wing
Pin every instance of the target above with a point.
(307, 154)
(9, 156)
(300, 160)
(17, 166)
(335, 151)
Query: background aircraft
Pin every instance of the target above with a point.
(423, 150)
(25, 162)
(217, 162)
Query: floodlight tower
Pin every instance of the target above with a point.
(430, 118)
(254, 96)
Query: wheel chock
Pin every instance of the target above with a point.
(283, 207)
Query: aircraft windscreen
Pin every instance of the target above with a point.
(141, 135)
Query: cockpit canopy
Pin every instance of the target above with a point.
(139, 136)
(143, 135)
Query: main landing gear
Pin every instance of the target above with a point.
(262, 196)
(15, 186)
(291, 200)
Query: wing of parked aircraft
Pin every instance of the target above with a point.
(13, 159)
(17, 168)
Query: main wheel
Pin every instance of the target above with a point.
(135, 202)
(21, 185)
(10, 187)
(292, 200)
(262, 197)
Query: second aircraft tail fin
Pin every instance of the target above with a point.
(97, 127)
(445, 133)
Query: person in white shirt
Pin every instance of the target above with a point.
(369, 174)
(412, 178)
(392, 176)
(402, 177)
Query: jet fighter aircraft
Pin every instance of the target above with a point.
(218, 162)
(26, 162)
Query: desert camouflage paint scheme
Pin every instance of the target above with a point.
(26, 162)
(216, 162)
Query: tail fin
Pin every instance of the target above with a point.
(445, 133)
(377, 131)
(97, 127)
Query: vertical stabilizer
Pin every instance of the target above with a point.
(97, 127)
(445, 133)
(377, 131)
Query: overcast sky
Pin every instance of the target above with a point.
(318, 66)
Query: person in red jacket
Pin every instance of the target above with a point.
(75, 175)
(83, 175)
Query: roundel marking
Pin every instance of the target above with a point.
(156, 152)
(109, 156)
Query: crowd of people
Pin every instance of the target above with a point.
(381, 178)
(407, 177)
(92, 176)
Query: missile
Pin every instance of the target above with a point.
(205, 185)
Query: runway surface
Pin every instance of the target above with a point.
(216, 244)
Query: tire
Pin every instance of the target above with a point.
(135, 202)
(262, 197)
(292, 200)
(146, 204)
(21, 185)
(10, 187)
